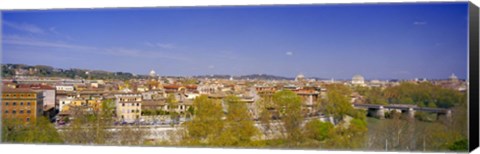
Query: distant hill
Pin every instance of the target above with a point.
(10, 70)
(245, 77)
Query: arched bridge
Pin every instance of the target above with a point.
(409, 110)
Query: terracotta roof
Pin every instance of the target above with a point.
(191, 86)
(7, 82)
(25, 90)
(36, 86)
(171, 86)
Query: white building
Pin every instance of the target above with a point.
(49, 96)
(64, 101)
(192, 96)
(358, 80)
(209, 88)
(64, 88)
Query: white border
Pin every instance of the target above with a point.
(63, 4)
(49, 4)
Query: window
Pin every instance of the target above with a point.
(123, 104)
(28, 111)
(14, 103)
(28, 103)
(13, 111)
(138, 104)
(28, 119)
(21, 111)
(6, 111)
(21, 103)
(6, 103)
(133, 111)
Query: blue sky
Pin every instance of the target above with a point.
(378, 41)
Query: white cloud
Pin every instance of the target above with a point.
(18, 40)
(24, 27)
(129, 52)
(53, 30)
(419, 23)
(160, 45)
(114, 51)
(165, 46)
(149, 44)
(289, 53)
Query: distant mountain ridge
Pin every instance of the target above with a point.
(245, 77)
(10, 70)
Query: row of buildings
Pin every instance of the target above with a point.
(139, 99)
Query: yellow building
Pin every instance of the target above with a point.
(128, 107)
(22, 104)
(90, 105)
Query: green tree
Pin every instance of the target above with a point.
(207, 123)
(460, 145)
(318, 130)
(39, 130)
(265, 116)
(239, 127)
(361, 90)
(90, 127)
(375, 96)
(336, 104)
(423, 94)
(172, 106)
(288, 105)
(350, 134)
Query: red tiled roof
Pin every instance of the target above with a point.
(35, 86)
(171, 86)
(7, 82)
(191, 87)
(26, 90)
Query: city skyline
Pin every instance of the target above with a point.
(401, 41)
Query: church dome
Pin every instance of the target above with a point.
(152, 73)
(299, 77)
(358, 79)
(453, 77)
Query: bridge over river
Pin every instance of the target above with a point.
(378, 111)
